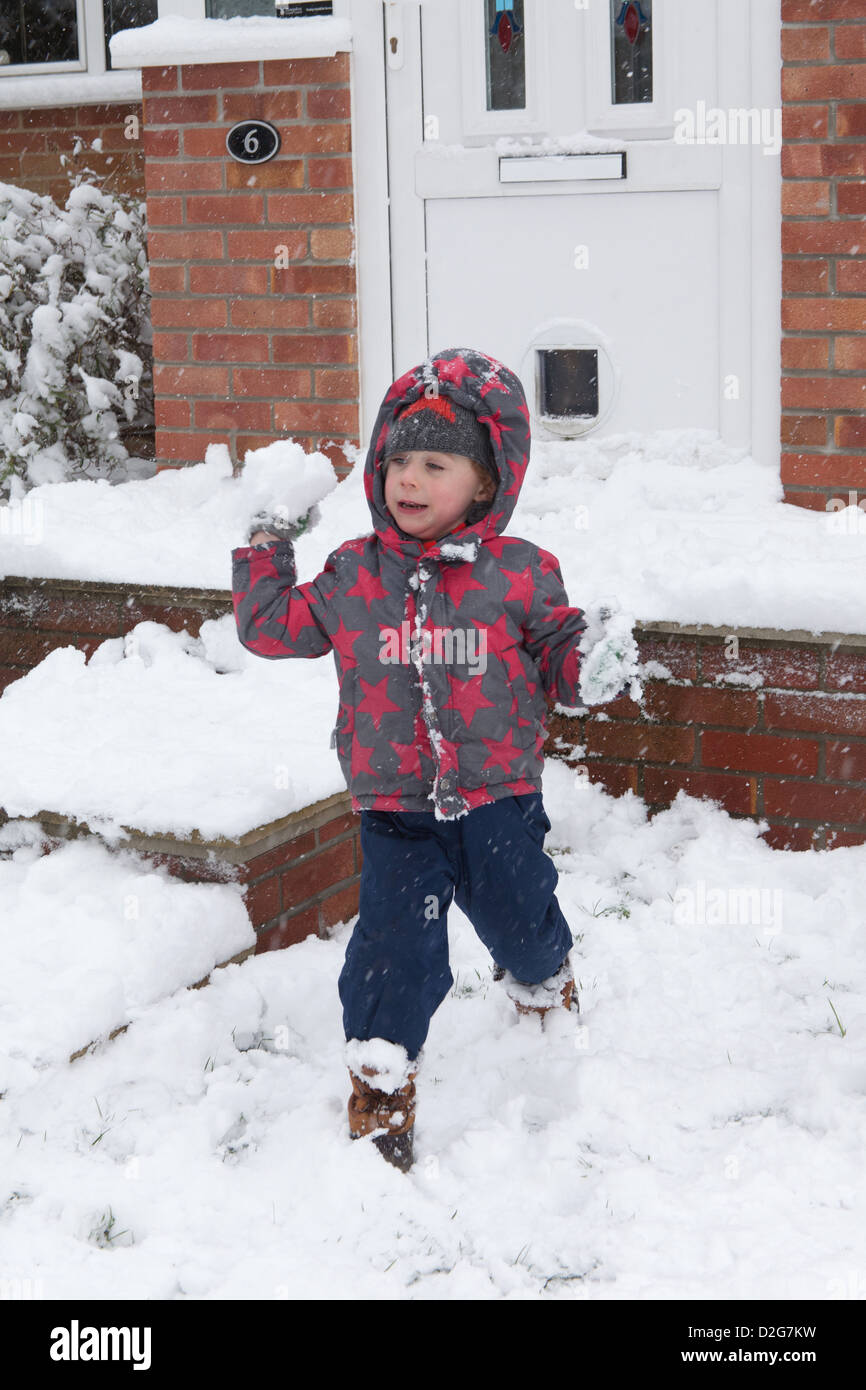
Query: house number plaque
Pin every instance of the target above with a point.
(253, 142)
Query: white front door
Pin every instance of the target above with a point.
(548, 207)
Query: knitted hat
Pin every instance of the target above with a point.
(434, 422)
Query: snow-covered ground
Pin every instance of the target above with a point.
(697, 1132)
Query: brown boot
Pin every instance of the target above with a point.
(559, 991)
(392, 1111)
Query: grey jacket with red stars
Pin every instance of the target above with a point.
(446, 651)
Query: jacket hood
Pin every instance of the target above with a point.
(472, 379)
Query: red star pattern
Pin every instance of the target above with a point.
(491, 384)
(515, 714)
(498, 546)
(521, 586)
(513, 664)
(376, 702)
(400, 388)
(502, 752)
(361, 759)
(453, 369)
(410, 759)
(549, 564)
(499, 637)
(458, 581)
(448, 757)
(522, 787)
(495, 425)
(367, 586)
(344, 641)
(466, 698)
(391, 536)
(263, 645)
(299, 617)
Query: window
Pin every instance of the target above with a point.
(631, 49)
(49, 35)
(228, 9)
(126, 14)
(505, 55)
(285, 9)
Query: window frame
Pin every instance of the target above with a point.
(478, 124)
(76, 65)
(648, 120)
(91, 60)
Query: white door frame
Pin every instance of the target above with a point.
(370, 181)
(749, 63)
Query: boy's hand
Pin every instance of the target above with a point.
(609, 665)
(277, 526)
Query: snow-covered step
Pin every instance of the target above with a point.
(90, 938)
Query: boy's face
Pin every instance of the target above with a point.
(428, 493)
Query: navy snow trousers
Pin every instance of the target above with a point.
(491, 862)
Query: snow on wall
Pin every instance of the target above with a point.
(676, 525)
(175, 40)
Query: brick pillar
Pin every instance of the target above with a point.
(824, 252)
(252, 266)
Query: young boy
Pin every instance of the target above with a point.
(449, 638)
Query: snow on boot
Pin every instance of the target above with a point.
(558, 991)
(383, 1098)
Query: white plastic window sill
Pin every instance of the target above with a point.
(68, 89)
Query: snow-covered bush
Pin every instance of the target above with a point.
(75, 336)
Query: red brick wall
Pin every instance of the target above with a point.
(823, 251)
(37, 615)
(791, 751)
(305, 886)
(248, 352)
(32, 141)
